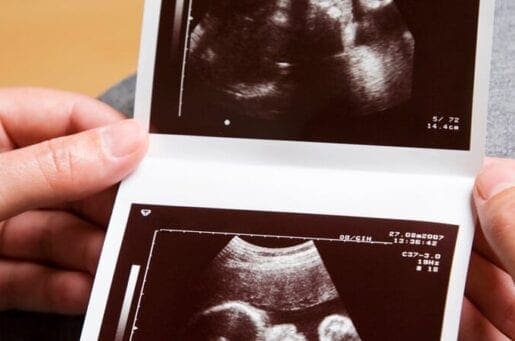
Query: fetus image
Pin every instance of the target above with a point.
(255, 293)
(284, 59)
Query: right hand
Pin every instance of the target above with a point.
(489, 305)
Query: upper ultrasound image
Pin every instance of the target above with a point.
(285, 59)
(374, 72)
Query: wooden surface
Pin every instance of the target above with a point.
(81, 45)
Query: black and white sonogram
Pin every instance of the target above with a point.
(197, 274)
(253, 292)
(285, 59)
(379, 72)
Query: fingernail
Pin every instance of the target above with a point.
(123, 138)
(495, 178)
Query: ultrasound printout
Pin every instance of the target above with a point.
(217, 274)
(376, 72)
(309, 173)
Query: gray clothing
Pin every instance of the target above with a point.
(501, 112)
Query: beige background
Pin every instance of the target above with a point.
(77, 45)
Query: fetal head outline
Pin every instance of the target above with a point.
(337, 328)
(229, 321)
(235, 321)
(258, 293)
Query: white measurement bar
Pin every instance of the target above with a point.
(127, 302)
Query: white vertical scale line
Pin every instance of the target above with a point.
(149, 260)
(127, 302)
(179, 15)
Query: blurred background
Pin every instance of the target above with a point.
(83, 45)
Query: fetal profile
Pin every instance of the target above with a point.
(285, 59)
(251, 292)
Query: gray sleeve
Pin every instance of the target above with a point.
(121, 96)
(501, 113)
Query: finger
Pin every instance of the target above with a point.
(484, 249)
(28, 286)
(494, 196)
(69, 168)
(96, 209)
(32, 115)
(491, 290)
(53, 237)
(474, 326)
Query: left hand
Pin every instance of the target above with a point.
(60, 155)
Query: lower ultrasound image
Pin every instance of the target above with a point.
(213, 274)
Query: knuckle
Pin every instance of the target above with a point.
(46, 246)
(501, 218)
(91, 252)
(509, 318)
(55, 292)
(3, 228)
(57, 164)
(68, 292)
(8, 290)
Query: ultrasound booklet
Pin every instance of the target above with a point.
(309, 174)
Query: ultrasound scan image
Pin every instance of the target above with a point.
(199, 274)
(292, 59)
(368, 72)
(252, 292)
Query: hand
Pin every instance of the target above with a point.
(489, 305)
(60, 155)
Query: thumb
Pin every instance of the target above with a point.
(69, 168)
(494, 196)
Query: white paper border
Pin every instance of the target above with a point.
(448, 195)
(438, 199)
(316, 154)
